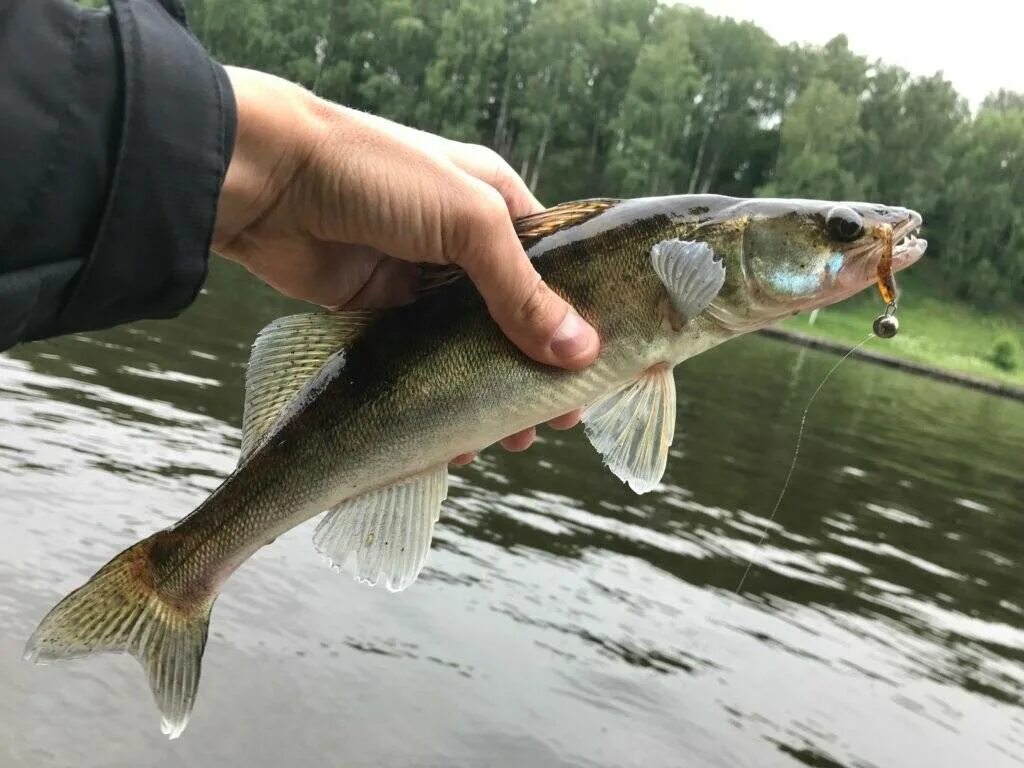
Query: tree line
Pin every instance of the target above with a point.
(635, 97)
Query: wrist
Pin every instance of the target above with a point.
(277, 126)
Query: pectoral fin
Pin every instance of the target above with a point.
(386, 532)
(633, 428)
(690, 272)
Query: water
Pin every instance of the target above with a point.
(561, 620)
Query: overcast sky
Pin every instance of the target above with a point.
(977, 44)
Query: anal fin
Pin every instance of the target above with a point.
(632, 428)
(386, 532)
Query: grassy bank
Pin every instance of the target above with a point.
(934, 330)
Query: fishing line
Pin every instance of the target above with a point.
(796, 455)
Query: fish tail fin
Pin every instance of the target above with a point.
(119, 610)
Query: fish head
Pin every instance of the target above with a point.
(783, 257)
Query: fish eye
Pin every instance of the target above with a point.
(844, 224)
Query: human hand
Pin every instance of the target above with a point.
(338, 208)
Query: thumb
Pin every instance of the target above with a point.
(536, 319)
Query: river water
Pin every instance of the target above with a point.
(561, 620)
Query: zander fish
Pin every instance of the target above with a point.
(359, 413)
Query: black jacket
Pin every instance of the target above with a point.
(115, 132)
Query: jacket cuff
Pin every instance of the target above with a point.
(177, 132)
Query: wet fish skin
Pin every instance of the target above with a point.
(419, 384)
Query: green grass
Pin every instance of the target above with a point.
(935, 330)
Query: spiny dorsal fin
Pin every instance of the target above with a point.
(386, 532)
(632, 429)
(530, 229)
(537, 225)
(434, 277)
(285, 356)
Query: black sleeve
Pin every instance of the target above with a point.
(115, 132)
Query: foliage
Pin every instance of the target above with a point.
(943, 334)
(819, 132)
(650, 127)
(983, 234)
(638, 97)
(1007, 354)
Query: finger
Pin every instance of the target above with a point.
(487, 165)
(330, 274)
(520, 441)
(535, 318)
(390, 282)
(463, 459)
(566, 420)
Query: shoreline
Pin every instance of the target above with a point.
(910, 366)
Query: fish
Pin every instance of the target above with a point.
(357, 414)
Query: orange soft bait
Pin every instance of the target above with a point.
(886, 278)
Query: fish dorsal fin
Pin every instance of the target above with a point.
(285, 356)
(533, 227)
(690, 273)
(633, 428)
(530, 229)
(386, 533)
(434, 277)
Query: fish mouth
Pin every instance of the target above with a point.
(900, 228)
(907, 246)
(907, 250)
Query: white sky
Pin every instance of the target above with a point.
(978, 44)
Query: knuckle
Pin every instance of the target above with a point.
(460, 210)
(484, 212)
(503, 171)
(534, 309)
(492, 205)
(495, 161)
(505, 179)
(482, 155)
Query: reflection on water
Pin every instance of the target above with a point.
(561, 620)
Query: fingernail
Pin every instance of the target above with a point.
(572, 338)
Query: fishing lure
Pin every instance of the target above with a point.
(886, 325)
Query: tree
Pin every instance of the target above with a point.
(554, 58)
(656, 111)
(982, 244)
(623, 27)
(460, 80)
(909, 125)
(736, 100)
(1004, 101)
(818, 133)
(836, 63)
(638, 97)
(392, 52)
(279, 37)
